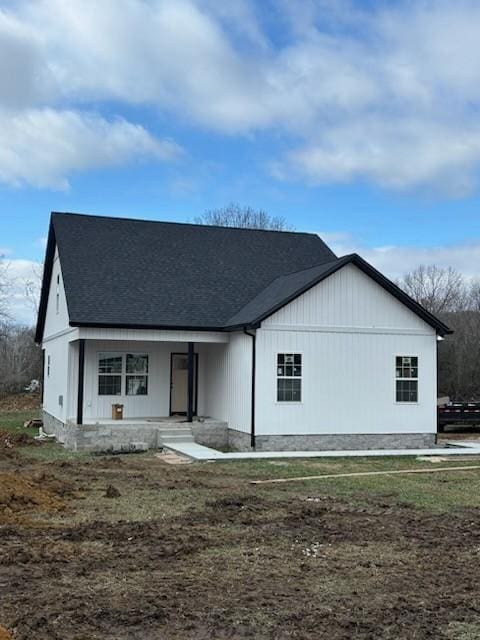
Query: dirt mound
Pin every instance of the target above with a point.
(4, 634)
(20, 402)
(14, 439)
(21, 496)
(112, 492)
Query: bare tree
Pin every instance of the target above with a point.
(474, 295)
(244, 217)
(5, 288)
(438, 289)
(20, 358)
(33, 286)
(459, 357)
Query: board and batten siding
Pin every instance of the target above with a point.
(348, 330)
(157, 402)
(56, 345)
(229, 382)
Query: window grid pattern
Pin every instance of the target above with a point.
(137, 374)
(406, 374)
(289, 377)
(128, 371)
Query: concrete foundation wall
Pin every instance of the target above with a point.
(346, 442)
(238, 440)
(64, 433)
(114, 437)
(211, 434)
(216, 434)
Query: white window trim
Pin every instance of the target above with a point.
(123, 374)
(277, 377)
(406, 403)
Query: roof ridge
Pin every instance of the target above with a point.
(318, 264)
(186, 224)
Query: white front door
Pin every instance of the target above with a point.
(179, 383)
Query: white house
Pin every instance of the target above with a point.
(243, 338)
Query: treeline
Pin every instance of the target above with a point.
(456, 301)
(20, 358)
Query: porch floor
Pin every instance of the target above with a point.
(133, 421)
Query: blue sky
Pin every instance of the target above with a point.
(356, 120)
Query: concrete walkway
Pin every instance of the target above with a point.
(199, 452)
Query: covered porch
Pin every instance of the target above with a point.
(162, 381)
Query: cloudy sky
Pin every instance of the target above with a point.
(357, 120)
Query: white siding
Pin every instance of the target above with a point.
(55, 385)
(56, 322)
(157, 402)
(348, 383)
(228, 389)
(153, 335)
(349, 330)
(348, 299)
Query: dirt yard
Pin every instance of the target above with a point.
(195, 551)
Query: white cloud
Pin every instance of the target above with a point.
(394, 261)
(42, 147)
(388, 94)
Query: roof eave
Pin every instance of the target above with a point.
(47, 274)
(143, 327)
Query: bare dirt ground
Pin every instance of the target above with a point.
(195, 551)
(20, 402)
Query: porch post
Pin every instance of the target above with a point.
(81, 379)
(191, 361)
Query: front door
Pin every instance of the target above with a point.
(179, 383)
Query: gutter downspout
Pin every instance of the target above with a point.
(254, 358)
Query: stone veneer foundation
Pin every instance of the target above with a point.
(217, 435)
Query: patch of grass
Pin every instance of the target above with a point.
(463, 631)
(13, 421)
(436, 491)
(51, 452)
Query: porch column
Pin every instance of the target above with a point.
(191, 365)
(81, 379)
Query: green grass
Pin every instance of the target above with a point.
(440, 491)
(435, 492)
(463, 631)
(51, 452)
(13, 421)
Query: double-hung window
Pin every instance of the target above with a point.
(136, 374)
(110, 370)
(406, 378)
(289, 377)
(122, 373)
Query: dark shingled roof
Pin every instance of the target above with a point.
(120, 272)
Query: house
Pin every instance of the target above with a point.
(239, 338)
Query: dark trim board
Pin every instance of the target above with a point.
(81, 379)
(195, 395)
(253, 386)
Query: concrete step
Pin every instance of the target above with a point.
(175, 439)
(172, 431)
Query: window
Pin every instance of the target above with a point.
(57, 299)
(406, 374)
(48, 366)
(289, 377)
(110, 366)
(137, 374)
(117, 371)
